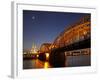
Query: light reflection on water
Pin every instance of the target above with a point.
(70, 61)
(41, 64)
(46, 65)
(35, 64)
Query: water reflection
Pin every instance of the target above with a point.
(46, 65)
(35, 64)
(71, 61)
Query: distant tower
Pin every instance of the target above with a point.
(33, 49)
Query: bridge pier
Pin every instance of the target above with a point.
(57, 59)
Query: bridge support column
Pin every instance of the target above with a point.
(57, 59)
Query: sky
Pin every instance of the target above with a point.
(43, 27)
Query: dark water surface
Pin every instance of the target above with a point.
(71, 61)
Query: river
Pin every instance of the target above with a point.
(71, 61)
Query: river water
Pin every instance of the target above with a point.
(71, 61)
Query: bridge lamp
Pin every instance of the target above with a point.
(47, 56)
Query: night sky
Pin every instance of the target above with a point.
(43, 27)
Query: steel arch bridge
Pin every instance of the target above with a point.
(76, 37)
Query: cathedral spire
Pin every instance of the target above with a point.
(33, 49)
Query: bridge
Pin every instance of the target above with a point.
(75, 40)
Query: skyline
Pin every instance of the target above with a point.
(43, 27)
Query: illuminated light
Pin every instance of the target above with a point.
(47, 56)
(37, 55)
(85, 32)
(46, 65)
(34, 49)
(53, 46)
(25, 53)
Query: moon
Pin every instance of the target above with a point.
(33, 17)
